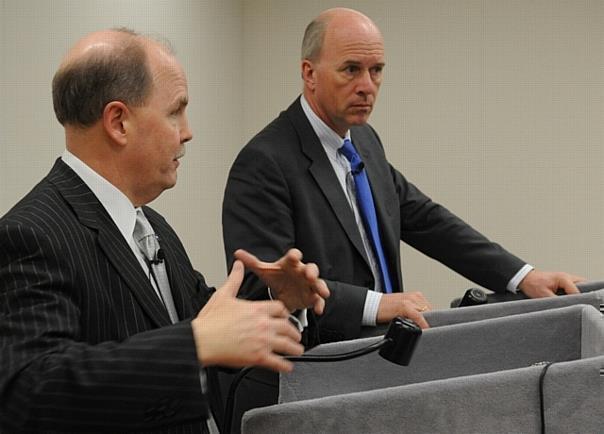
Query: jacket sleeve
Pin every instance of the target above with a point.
(441, 235)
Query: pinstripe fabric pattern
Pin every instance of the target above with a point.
(86, 345)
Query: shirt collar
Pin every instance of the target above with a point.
(116, 203)
(329, 138)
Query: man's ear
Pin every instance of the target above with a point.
(308, 74)
(115, 121)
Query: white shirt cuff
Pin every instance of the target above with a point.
(515, 281)
(300, 320)
(370, 311)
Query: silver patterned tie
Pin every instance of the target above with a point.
(149, 245)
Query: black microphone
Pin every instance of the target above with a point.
(358, 169)
(159, 257)
(473, 297)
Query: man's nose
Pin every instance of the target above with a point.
(185, 132)
(366, 85)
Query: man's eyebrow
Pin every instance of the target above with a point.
(181, 102)
(358, 63)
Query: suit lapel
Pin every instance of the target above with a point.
(323, 173)
(91, 213)
(183, 299)
(182, 302)
(121, 257)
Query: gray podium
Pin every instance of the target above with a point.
(593, 297)
(479, 376)
(437, 318)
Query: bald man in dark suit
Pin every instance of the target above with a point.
(295, 185)
(92, 337)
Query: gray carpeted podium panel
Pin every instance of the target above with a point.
(439, 318)
(470, 377)
(451, 351)
(574, 397)
(498, 297)
(499, 402)
(476, 313)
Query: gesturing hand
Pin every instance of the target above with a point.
(293, 282)
(236, 333)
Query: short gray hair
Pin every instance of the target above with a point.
(312, 43)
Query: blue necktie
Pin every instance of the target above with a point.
(365, 202)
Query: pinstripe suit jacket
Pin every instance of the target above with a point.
(86, 345)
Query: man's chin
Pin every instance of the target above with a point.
(359, 119)
(170, 182)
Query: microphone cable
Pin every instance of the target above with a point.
(546, 366)
(230, 403)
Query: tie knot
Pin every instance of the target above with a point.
(351, 154)
(145, 236)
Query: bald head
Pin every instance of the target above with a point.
(342, 63)
(101, 67)
(329, 21)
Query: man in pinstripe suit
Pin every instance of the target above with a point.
(86, 343)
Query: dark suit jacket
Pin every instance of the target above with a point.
(282, 192)
(86, 344)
